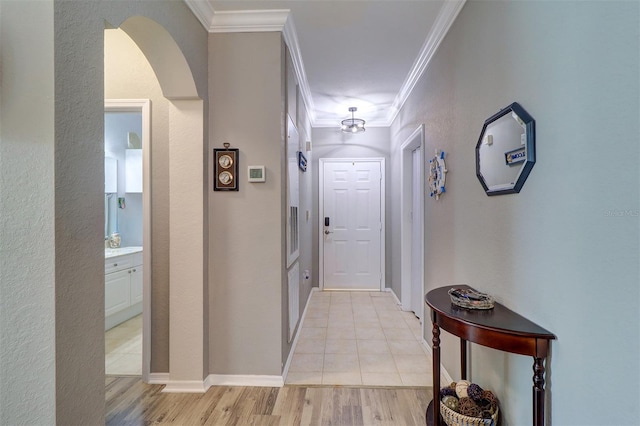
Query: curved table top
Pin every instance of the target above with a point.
(498, 328)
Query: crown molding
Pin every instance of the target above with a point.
(245, 21)
(291, 40)
(235, 21)
(443, 22)
(281, 20)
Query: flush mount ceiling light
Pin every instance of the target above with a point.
(353, 125)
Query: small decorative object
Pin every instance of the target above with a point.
(256, 174)
(302, 161)
(451, 402)
(114, 240)
(475, 392)
(448, 391)
(225, 177)
(461, 388)
(437, 174)
(515, 156)
(470, 299)
(121, 203)
(464, 410)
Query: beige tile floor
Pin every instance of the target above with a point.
(359, 338)
(123, 348)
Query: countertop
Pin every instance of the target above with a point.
(120, 251)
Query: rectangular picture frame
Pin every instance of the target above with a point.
(225, 169)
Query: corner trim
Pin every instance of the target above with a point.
(243, 380)
(444, 20)
(158, 378)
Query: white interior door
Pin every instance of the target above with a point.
(417, 211)
(351, 225)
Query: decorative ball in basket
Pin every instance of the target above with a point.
(467, 404)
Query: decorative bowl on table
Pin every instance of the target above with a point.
(470, 299)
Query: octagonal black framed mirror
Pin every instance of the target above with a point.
(506, 150)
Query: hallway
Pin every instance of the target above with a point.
(359, 339)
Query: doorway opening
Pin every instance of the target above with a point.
(412, 223)
(127, 237)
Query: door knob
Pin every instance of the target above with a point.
(327, 232)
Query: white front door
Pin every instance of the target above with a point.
(351, 224)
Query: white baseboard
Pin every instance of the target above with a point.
(158, 378)
(244, 380)
(185, 386)
(393, 293)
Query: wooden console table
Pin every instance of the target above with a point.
(498, 328)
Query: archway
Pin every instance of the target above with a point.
(184, 136)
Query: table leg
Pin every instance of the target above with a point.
(538, 391)
(463, 359)
(435, 351)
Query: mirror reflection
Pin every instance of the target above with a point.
(505, 152)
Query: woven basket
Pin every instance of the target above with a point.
(452, 418)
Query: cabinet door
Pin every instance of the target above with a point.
(116, 292)
(136, 284)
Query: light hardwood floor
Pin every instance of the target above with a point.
(130, 401)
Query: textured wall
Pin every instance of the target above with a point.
(27, 268)
(563, 252)
(333, 143)
(245, 236)
(73, 304)
(128, 75)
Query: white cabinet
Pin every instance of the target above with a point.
(116, 292)
(136, 285)
(122, 288)
(133, 170)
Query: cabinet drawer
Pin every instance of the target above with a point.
(117, 263)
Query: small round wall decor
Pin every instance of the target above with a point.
(437, 174)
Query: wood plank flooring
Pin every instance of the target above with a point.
(129, 401)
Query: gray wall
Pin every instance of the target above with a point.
(69, 293)
(563, 252)
(27, 223)
(333, 143)
(247, 97)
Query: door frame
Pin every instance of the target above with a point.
(321, 163)
(144, 107)
(414, 141)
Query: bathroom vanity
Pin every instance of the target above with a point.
(122, 284)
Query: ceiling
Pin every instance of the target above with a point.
(362, 53)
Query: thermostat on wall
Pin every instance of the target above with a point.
(256, 174)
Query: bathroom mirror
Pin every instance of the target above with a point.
(110, 214)
(505, 153)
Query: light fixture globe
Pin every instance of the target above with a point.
(353, 125)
